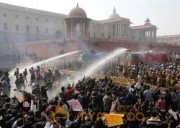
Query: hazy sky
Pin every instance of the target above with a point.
(165, 14)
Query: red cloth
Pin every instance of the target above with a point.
(48, 109)
(161, 104)
(69, 93)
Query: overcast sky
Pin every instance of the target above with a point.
(165, 14)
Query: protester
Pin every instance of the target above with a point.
(16, 73)
(25, 73)
(158, 107)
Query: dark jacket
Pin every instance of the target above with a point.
(36, 91)
(107, 101)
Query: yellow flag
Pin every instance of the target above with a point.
(60, 113)
(114, 119)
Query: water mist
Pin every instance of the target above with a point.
(94, 66)
(21, 69)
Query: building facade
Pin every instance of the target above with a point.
(145, 33)
(169, 39)
(20, 25)
(114, 27)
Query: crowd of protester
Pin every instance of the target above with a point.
(160, 109)
(162, 74)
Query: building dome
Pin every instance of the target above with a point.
(77, 12)
(114, 15)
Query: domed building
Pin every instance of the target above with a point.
(145, 33)
(119, 28)
(114, 15)
(77, 12)
(35, 31)
(77, 23)
(115, 27)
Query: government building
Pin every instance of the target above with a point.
(169, 39)
(20, 24)
(41, 34)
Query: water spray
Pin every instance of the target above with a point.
(22, 68)
(94, 67)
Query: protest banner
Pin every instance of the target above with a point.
(19, 96)
(114, 119)
(75, 105)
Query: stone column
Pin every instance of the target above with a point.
(67, 26)
(74, 29)
(110, 30)
(150, 35)
(86, 29)
(128, 34)
(80, 28)
(154, 35)
(71, 35)
(83, 29)
(144, 35)
(126, 30)
(122, 30)
(147, 35)
(119, 30)
(69, 29)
